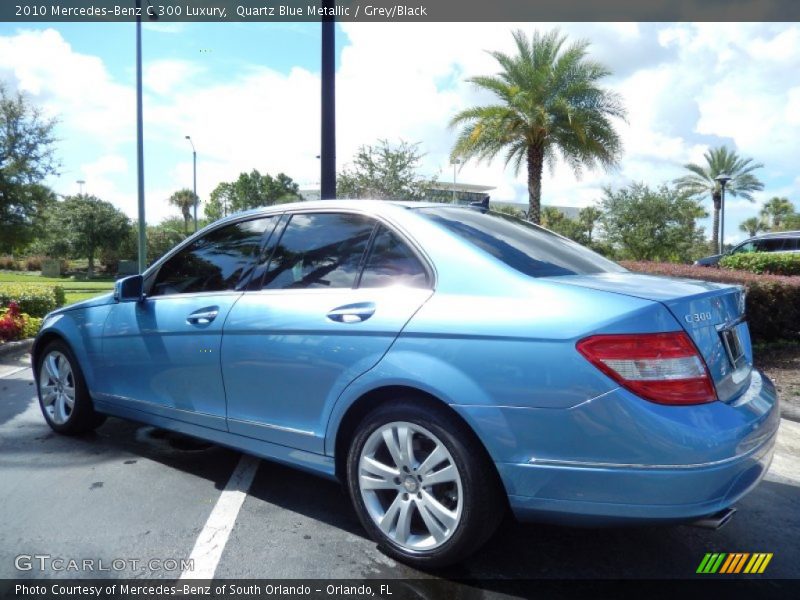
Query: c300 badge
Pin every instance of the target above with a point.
(697, 317)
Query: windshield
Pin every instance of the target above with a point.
(528, 248)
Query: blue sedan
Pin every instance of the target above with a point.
(445, 363)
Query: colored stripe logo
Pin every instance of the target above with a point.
(734, 562)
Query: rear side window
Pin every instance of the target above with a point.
(523, 246)
(792, 244)
(773, 245)
(319, 250)
(216, 262)
(392, 262)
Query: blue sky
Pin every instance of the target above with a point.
(248, 94)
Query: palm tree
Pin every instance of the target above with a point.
(775, 211)
(702, 180)
(753, 226)
(184, 199)
(549, 104)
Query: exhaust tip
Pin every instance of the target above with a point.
(715, 521)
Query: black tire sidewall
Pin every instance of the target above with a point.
(478, 486)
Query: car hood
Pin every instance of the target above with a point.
(88, 303)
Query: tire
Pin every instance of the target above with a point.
(431, 525)
(63, 395)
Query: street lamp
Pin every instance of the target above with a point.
(80, 183)
(455, 164)
(722, 179)
(194, 179)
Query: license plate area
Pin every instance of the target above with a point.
(733, 346)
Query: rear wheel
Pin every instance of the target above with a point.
(422, 485)
(63, 396)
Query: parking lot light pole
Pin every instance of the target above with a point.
(142, 254)
(194, 179)
(455, 164)
(722, 179)
(327, 179)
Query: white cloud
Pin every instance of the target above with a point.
(75, 87)
(163, 76)
(686, 86)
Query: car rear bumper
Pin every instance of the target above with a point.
(619, 458)
(606, 495)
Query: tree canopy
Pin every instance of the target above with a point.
(83, 225)
(26, 158)
(659, 224)
(250, 190)
(549, 104)
(185, 200)
(702, 181)
(384, 171)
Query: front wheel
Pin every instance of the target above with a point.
(422, 485)
(63, 396)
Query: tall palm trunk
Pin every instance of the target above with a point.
(535, 165)
(716, 196)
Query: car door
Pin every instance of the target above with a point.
(337, 291)
(161, 355)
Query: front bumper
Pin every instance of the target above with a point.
(618, 458)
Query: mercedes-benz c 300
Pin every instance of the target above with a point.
(445, 363)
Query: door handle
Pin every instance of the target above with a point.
(203, 316)
(352, 313)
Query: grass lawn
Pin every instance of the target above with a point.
(74, 289)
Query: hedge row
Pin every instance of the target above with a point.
(29, 263)
(773, 301)
(776, 263)
(35, 300)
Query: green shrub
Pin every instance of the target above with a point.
(59, 295)
(776, 263)
(34, 299)
(773, 301)
(30, 326)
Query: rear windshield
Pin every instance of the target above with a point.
(523, 246)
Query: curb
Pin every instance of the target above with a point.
(11, 348)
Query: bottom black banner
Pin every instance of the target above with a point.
(392, 589)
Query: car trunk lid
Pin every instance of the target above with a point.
(711, 313)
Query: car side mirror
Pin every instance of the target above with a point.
(129, 289)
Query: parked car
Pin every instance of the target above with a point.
(445, 363)
(783, 241)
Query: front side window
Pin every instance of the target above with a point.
(216, 262)
(528, 248)
(745, 248)
(319, 250)
(392, 262)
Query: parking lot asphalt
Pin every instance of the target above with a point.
(132, 492)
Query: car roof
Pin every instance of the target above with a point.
(378, 206)
(775, 234)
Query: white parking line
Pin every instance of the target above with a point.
(14, 372)
(212, 539)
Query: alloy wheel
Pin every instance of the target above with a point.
(410, 486)
(57, 387)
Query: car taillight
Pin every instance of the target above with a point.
(661, 367)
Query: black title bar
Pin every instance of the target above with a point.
(400, 11)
